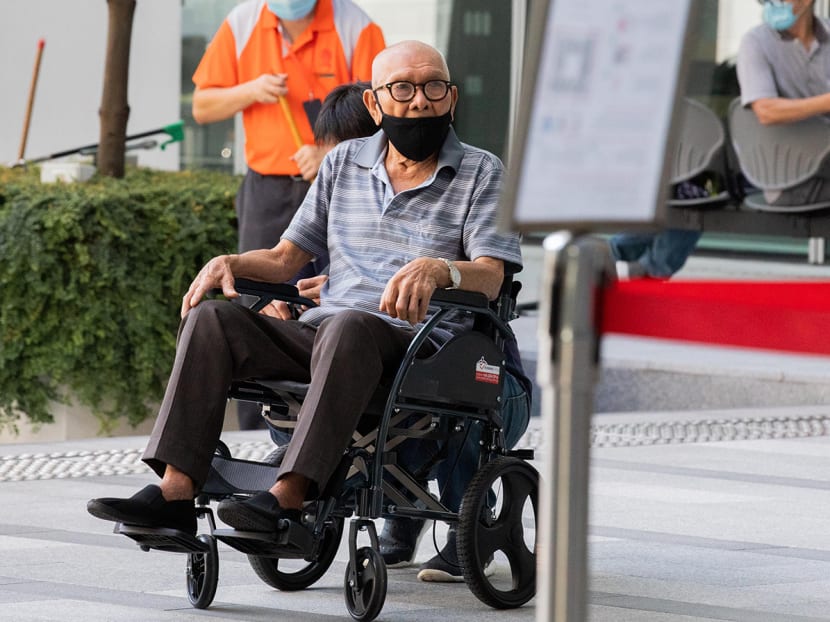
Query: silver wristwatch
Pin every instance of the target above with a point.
(455, 273)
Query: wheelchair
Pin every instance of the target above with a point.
(431, 399)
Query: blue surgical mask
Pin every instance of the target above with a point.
(291, 9)
(779, 14)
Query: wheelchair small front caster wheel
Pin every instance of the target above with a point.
(203, 574)
(500, 499)
(365, 585)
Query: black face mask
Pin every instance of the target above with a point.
(417, 138)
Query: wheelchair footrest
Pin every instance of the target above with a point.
(163, 539)
(291, 542)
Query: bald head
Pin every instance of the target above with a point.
(406, 56)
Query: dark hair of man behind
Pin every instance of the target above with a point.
(343, 115)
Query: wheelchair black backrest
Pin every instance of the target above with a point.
(504, 306)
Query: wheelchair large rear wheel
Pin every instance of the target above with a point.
(491, 529)
(365, 592)
(203, 574)
(289, 575)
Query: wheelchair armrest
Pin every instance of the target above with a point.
(266, 292)
(272, 291)
(475, 302)
(458, 298)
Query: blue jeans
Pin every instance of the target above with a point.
(661, 254)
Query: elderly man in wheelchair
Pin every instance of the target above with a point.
(402, 215)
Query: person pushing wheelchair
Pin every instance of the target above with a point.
(400, 214)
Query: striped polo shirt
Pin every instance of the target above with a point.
(369, 232)
(775, 64)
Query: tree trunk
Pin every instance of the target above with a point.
(114, 110)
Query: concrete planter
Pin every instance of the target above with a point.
(73, 421)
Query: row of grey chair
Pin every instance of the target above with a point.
(771, 157)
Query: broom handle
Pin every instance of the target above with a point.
(291, 124)
(31, 103)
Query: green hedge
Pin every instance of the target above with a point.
(92, 277)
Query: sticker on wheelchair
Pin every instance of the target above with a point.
(487, 373)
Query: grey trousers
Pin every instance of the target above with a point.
(265, 205)
(343, 360)
(815, 190)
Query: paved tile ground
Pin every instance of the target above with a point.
(691, 531)
(720, 531)
(684, 529)
(59, 563)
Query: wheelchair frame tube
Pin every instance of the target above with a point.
(376, 493)
(376, 490)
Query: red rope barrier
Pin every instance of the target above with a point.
(789, 316)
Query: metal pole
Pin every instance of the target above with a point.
(575, 269)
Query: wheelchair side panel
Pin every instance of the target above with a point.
(468, 370)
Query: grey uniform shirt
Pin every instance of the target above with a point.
(774, 64)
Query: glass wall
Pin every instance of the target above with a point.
(482, 40)
(479, 56)
(716, 37)
(205, 146)
(475, 35)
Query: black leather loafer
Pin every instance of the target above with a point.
(146, 508)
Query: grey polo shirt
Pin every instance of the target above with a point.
(774, 64)
(370, 232)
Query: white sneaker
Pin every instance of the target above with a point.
(629, 270)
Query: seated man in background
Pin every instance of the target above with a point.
(784, 75)
(400, 214)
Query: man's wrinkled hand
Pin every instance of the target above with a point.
(308, 159)
(215, 273)
(312, 286)
(408, 293)
(278, 309)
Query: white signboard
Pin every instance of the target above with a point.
(592, 140)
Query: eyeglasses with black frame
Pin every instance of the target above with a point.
(404, 91)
